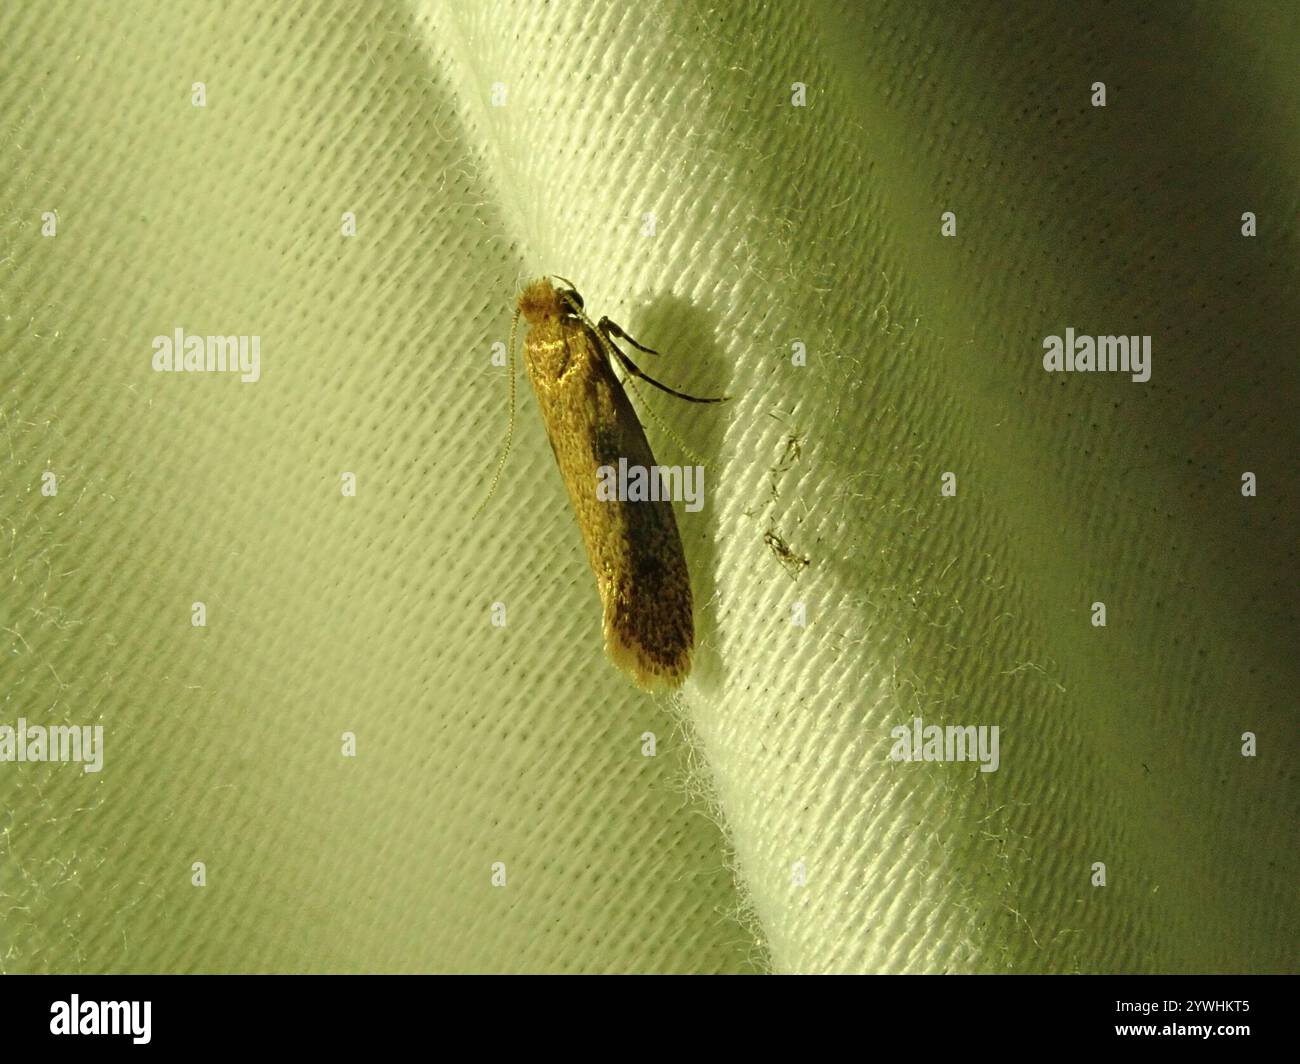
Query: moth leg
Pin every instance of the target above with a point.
(610, 329)
(636, 371)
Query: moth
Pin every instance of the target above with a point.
(633, 546)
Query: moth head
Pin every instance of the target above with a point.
(542, 301)
(572, 302)
(571, 298)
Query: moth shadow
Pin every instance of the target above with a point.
(689, 361)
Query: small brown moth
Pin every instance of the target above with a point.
(633, 546)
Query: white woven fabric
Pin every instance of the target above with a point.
(771, 831)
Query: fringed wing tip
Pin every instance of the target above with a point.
(646, 672)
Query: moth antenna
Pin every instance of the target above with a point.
(510, 430)
(630, 382)
(587, 322)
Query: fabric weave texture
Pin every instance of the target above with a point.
(652, 154)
